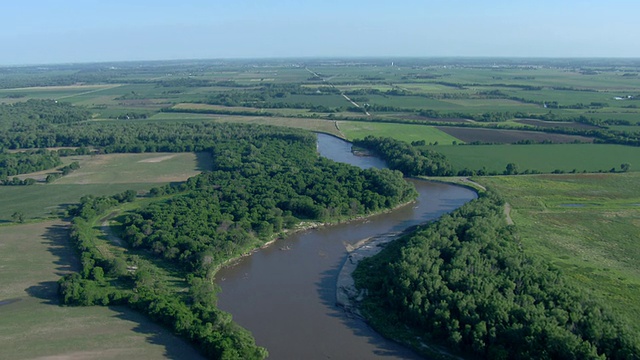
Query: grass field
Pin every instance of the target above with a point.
(587, 225)
(405, 132)
(544, 158)
(100, 175)
(32, 259)
(508, 136)
(136, 168)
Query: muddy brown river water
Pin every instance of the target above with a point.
(285, 294)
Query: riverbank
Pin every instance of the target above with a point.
(291, 294)
(347, 296)
(305, 226)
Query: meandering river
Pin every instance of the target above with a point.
(285, 294)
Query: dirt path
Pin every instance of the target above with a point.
(106, 229)
(341, 93)
(467, 180)
(507, 213)
(355, 104)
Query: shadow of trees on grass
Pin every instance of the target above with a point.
(56, 239)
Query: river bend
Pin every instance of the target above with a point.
(285, 294)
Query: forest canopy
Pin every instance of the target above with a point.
(466, 281)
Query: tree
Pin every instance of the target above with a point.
(18, 217)
(624, 167)
(512, 169)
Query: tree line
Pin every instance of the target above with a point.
(27, 162)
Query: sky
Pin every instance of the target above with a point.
(72, 31)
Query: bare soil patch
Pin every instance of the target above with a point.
(498, 136)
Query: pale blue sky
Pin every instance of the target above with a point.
(44, 31)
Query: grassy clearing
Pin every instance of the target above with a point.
(136, 168)
(33, 257)
(585, 224)
(100, 175)
(405, 132)
(544, 158)
(45, 201)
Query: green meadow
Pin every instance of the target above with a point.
(405, 132)
(585, 224)
(542, 157)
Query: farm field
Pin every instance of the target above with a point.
(99, 175)
(585, 224)
(34, 325)
(508, 136)
(54, 92)
(544, 158)
(405, 132)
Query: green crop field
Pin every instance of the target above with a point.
(543, 158)
(586, 224)
(405, 132)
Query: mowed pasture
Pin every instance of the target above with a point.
(585, 224)
(543, 158)
(405, 132)
(32, 258)
(100, 175)
(501, 136)
(136, 168)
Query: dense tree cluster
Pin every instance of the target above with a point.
(136, 282)
(134, 137)
(27, 162)
(258, 189)
(406, 158)
(466, 281)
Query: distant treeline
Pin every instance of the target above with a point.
(466, 281)
(40, 112)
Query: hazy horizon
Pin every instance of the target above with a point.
(41, 32)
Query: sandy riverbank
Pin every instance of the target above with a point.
(347, 296)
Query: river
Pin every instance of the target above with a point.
(285, 294)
